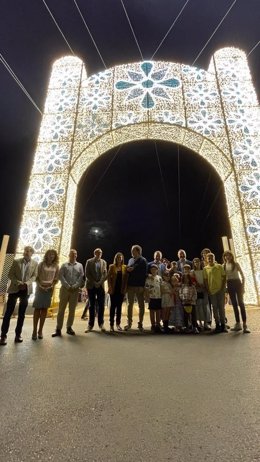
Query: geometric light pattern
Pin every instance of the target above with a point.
(215, 113)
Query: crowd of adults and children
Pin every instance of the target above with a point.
(181, 295)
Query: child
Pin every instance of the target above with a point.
(167, 300)
(177, 316)
(153, 296)
(202, 308)
(188, 296)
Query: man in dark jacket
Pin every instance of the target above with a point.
(137, 269)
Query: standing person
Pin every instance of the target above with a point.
(96, 274)
(48, 273)
(235, 287)
(214, 280)
(188, 296)
(117, 282)
(137, 269)
(177, 315)
(167, 300)
(22, 274)
(153, 295)
(182, 260)
(158, 261)
(202, 308)
(203, 255)
(71, 276)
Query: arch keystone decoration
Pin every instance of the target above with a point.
(215, 113)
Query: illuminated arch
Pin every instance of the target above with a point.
(215, 113)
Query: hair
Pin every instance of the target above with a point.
(136, 247)
(117, 255)
(98, 249)
(233, 263)
(196, 260)
(181, 250)
(166, 273)
(56, 258)
(157, 251)
(28, 247)
(206, 250)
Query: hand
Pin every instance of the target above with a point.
(22, 286)
(129, 269)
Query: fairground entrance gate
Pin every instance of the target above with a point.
(215, 113)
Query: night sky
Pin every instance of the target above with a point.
(132, 202)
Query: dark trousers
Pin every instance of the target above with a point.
(96, 294)
(116, 306)
(10, 306)
(235, 290)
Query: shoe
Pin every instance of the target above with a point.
(207, 327)
(70, 331)
(224, 329)
(153, 328)
(157, 330)
(18, 339)
(57, 333)
(34, 337)
(119, 327)
(40, 336)
(246, 330)
(3, 340)
(128, 327)
(89, 329)
(237, 327)
(195, 331)
(217, 329)
(140, 327)
(112, 329)
(101, 327)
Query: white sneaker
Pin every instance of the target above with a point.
(128, 327)
(237, 327)
(246, 330)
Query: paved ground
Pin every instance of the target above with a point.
(131, 397)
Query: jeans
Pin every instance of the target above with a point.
(133, 291)
(10, 306)
(96, 294)
(235, 290)
(218, 303)
(116, 306)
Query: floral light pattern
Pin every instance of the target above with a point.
(40, 231)
(205, 122)
(251, 187)
(254, 229)
(147, 85)
(46, 192)
(247, 152)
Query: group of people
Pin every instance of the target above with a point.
(180, 294)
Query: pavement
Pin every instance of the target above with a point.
(131, 396)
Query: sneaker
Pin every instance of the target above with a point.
(119, 327)
(89, 329)
(195, 331)
(140, 327)
(237, 327)
(57, 333)
(224, 329)
(207, 327)
(153, 328)
(70, 331)
(128, 327)
(18, 339)
(3, 340)
(157, 330)
(246, 330)
(217, 329)
(112, 329)
(101, 327)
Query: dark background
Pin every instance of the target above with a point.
(131, 203)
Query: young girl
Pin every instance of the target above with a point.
(154, 297)
(202, 308)
(48, 271)
(235, 287)
(177, 316)
(188, 296)
(167, 301)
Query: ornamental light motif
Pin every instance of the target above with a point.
(215, 113)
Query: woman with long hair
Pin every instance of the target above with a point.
(117, 283)
(235, 285)
(47, 277)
